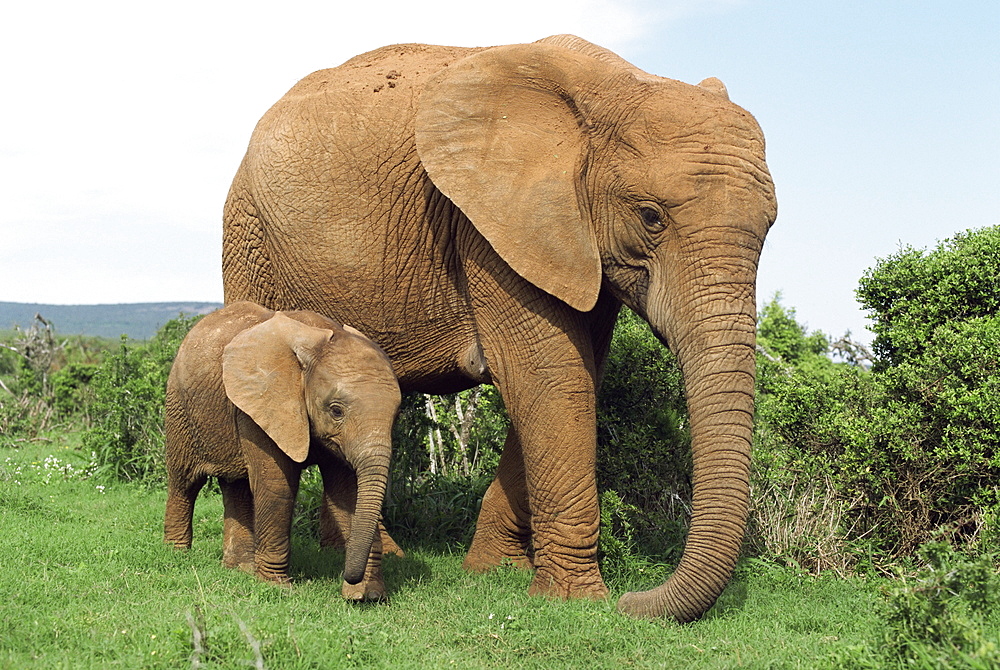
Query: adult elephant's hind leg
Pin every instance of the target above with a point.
(503, 532)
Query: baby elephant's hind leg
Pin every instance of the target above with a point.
(237, 527)
(181, 495)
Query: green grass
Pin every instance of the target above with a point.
(88, 584)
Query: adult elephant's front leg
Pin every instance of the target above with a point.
(540, 354)
(553, 421)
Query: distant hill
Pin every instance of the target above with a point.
(139, 321)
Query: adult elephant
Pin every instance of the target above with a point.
(482, 214)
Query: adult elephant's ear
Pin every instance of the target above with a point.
(262, 374)
(503, 134)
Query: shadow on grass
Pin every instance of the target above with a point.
(311, 562)
(732, 601)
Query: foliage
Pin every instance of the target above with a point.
(787, 341)
(25, 407)
(643, 440)
(914, 293)
(438, 512)
(622, 557)
(797, 507)
(129, 388)
(44, 379)
(908, 449)
(937, 617)
(445, 452)
(71, 390)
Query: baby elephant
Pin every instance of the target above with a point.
(255, 396)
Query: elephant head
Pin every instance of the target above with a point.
(584, 172)
(304, 385)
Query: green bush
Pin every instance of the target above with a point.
(804, 419)
(910, 447)
(788, 343)
(25, 399)
(914, 293)
(72, 394)
(938, 617)
(445, 453)
(129, 387)
(45, 380)
(643, 439)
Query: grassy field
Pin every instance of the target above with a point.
(88, 583)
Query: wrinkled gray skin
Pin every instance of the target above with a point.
(254, 397)
(483, 214)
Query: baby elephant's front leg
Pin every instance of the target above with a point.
(371, 587)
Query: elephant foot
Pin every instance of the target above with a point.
(367, 590)
(245, 566)
(483, 559)
(497, 542)
(278, 578)
(179, 545)
(237, 551)
(588, 585)
(240, 561)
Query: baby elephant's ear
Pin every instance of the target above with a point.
(262, 374)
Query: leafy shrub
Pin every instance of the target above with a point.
(438, 512)
(804, 409)
(910, 446)
(624, 560)
(44, 379)
(914, 292)
(643, 438)
(938, 617)
(787, 342)
(72, 394)
(129, 389)
(445, 453)
(23, 416)
(25, 403)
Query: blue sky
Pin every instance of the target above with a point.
(123, 123)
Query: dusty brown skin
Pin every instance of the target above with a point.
(482, 214)
(254, 397)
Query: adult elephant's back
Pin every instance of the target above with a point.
(324, 215)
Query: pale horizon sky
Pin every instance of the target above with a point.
(124, 122)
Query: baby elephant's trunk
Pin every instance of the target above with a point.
(372, 469)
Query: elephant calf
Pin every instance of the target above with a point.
(255, 396)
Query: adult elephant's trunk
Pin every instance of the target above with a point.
(372, 470)
(717, 357)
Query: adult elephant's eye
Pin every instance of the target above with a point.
(337, 410)
(652, 218)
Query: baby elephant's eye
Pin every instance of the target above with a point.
(337, 410)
